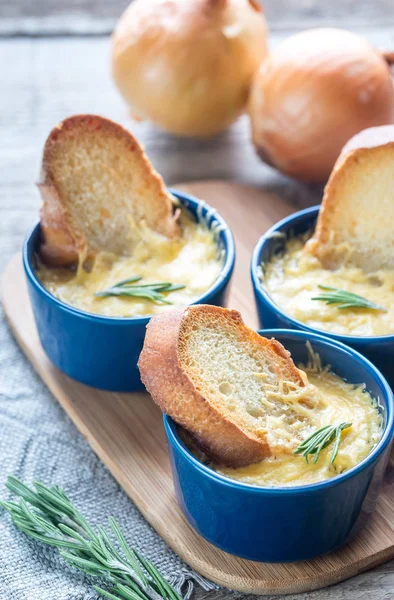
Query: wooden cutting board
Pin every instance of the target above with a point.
(126, 432)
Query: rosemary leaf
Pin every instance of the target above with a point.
(106, 594)
(48, 516)
(321, 439)
(129, 281)
(125, 547)
(344, 299)
(164, 586)
(337, 438)
(132, 288)
(127, 593)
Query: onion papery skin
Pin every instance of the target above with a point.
(316, 90)
(187, 65)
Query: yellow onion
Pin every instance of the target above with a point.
(315, 91)
(187, 65)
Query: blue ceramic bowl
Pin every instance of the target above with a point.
(289, 523)
(379, 349)
(103, 351)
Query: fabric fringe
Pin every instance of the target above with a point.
(184, 583)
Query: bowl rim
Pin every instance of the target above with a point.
(300, 215)
(175, 441)
(219, 283)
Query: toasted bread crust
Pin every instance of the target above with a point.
(60, 246)
(326, 241)
(171, 388)
(63, 242)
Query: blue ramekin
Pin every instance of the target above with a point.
(103, 351)
(289, 523)
(379, 349)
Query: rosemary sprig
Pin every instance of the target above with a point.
(319, 440)
(152, 291)
(345, 299)
(48, 516)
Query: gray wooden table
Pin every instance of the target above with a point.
(54, 61)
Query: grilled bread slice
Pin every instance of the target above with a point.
(95, 181)
(219, 380)
(355, 223)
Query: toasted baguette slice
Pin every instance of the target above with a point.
(95, 178)
(355, 223)
(211, 373)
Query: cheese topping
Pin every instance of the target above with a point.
(333, 401)
(194, 261)
(292, 280)
(325, 399)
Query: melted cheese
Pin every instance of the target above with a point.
(194, 261)
(333, 402)
(292, 280)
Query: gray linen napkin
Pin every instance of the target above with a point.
(38, 441)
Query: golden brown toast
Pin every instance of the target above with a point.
(355, 223)
(95, 180)
(214, 376)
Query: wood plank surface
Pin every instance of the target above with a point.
(92, 17)
(126, 432)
